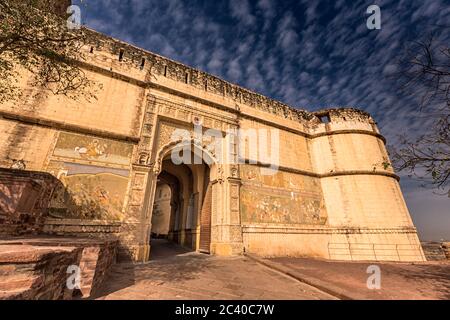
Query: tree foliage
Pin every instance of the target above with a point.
(424, 72)
(33, 37)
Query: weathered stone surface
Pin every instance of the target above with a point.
(24, 201)
(81, 227)
(37, 273)
(97, 256)
(334, 194)
(174, 273)
(434, 251)
(446, 247)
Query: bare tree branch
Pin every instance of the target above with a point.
(34, 38)
(424, 72)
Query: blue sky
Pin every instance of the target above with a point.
(309, 54)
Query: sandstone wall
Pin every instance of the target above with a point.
(334, 194)
(36, 273)
(365, 215)
(25, 200)
(37, 268)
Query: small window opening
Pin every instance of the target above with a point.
(165, 71)
(91, 50)
(142, 63)
(325, 118)
(186, 78)
(206, 85)
(121, 52)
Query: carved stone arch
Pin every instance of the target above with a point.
(207, 208)
(166, 149)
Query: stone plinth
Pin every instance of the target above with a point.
(24, 200)
(30, 272)
(83, 228)
(96, 258)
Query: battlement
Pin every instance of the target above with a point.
(343, 114)
(154, 64)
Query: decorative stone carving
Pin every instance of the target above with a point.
(157, 167)
(18, 165)
(176, 71)
(234, 171)
(143, 158)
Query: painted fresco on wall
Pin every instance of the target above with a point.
(90, 192)
(95, 174)
(283, 198)
(82, 147)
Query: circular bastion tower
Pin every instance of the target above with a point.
(367, 215)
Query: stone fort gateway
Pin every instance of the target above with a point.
(104, 168)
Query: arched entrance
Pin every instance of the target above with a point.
(183, 201)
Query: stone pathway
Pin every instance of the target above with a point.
(411, 281)
(175, 273)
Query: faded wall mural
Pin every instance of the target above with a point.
(95, 174)
(82, 147)
(283, 198)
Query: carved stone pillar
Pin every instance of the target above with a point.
(226, 231)
(135, 232)
(136, 227)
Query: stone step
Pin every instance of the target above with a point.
(13, 294)
(19, 281)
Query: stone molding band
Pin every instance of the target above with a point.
(32, 120)
(349, 131)
(235, 110)
(324, 230)
(360, 172)
(59, 125)
(323, 175)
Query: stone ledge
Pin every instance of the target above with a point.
(339, 173)
(82, 222)
(49, 123)
(35, 272)
(28, 256)
(20, 253)
(322, 230)
(83, 228)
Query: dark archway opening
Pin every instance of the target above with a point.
(182, 210)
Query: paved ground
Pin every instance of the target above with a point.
(175, 273)
(429, 280)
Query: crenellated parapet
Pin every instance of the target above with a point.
(343, 120)
(154, 64)
(343, 114)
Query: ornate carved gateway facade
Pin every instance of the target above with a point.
(333, 193)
